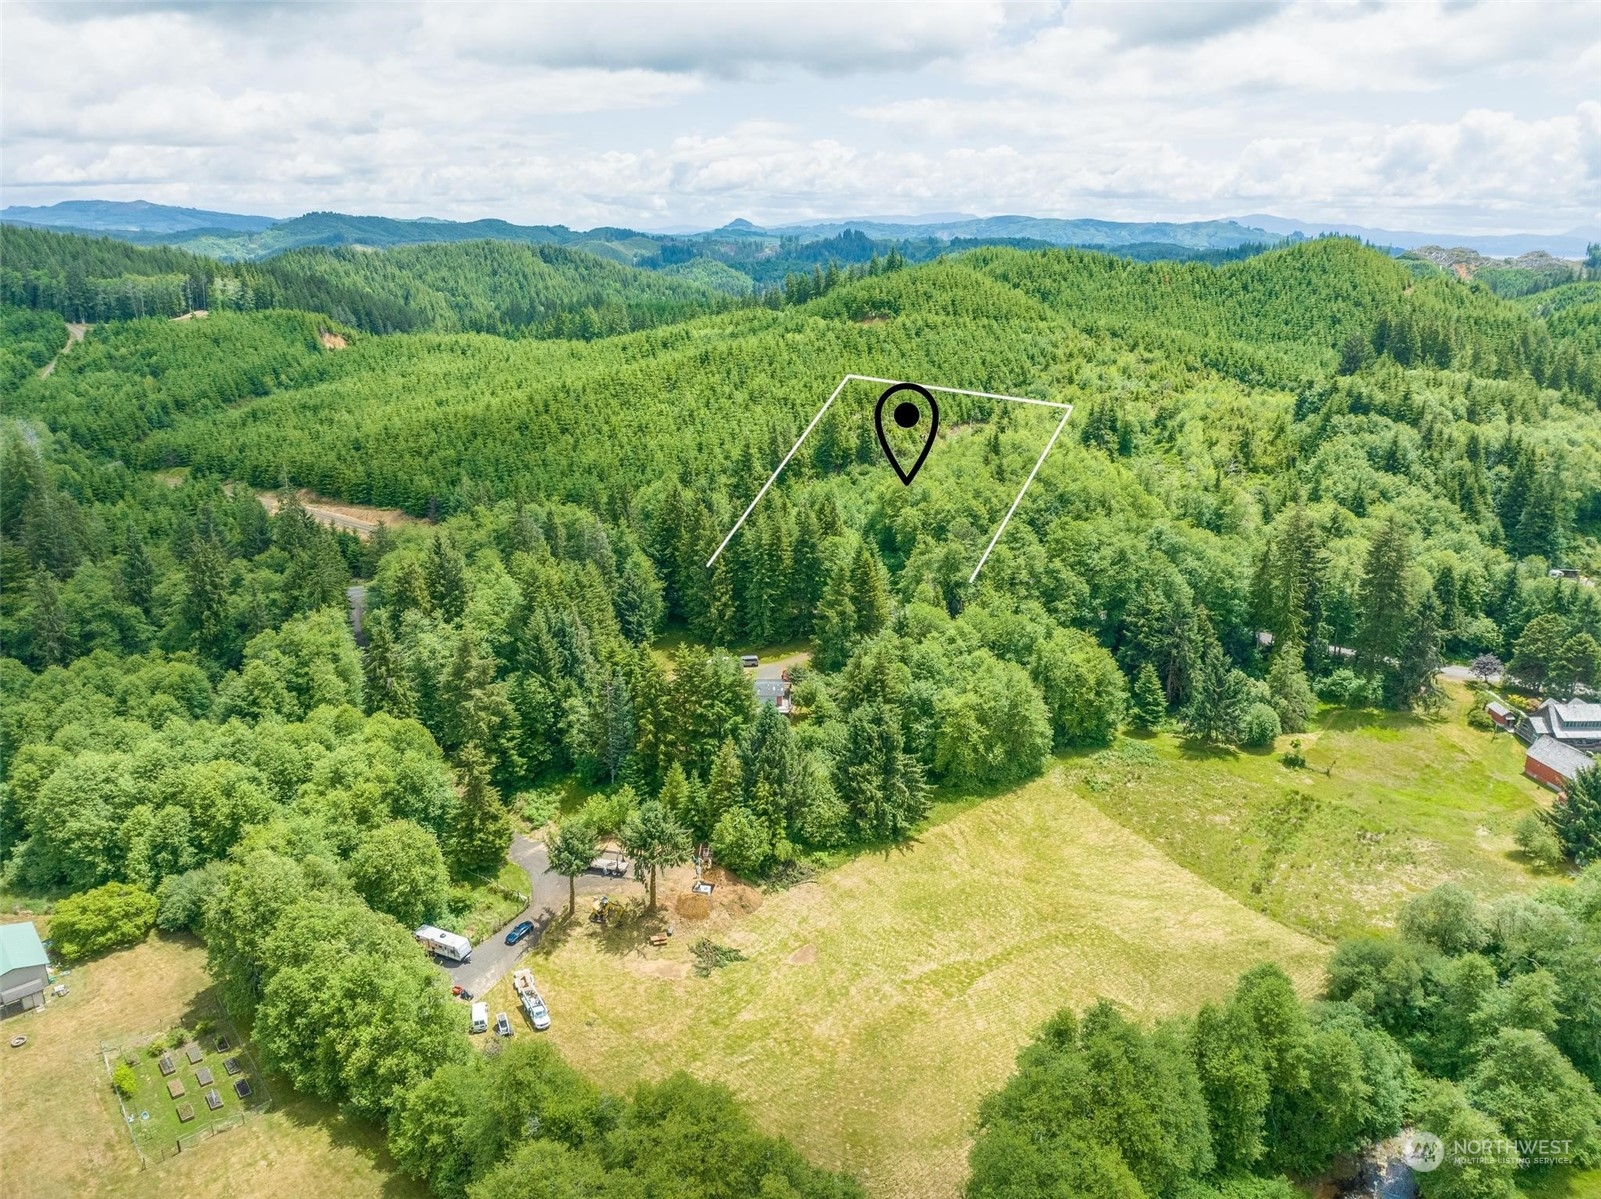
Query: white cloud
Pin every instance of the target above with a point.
(1446, 116)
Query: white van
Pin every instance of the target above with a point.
(480, 1017)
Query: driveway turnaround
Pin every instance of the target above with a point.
(492, 959)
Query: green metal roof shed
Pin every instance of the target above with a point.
(20, 947)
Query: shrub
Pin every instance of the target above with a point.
(105, 918)
(1478, 718)
(124, 1081)
(1294, 757)
(181, 898)
(539, 808)
(1349, 690)
(608, 813)
(1538, 841)
(740, 842)
(1259, 726)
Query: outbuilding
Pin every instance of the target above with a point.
(774, 693)
(1504, 717)
(24, 968)
(1554, 764)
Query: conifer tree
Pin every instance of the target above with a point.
(388, 687)
(446, 577)
(656, 842)
(480, 831)
(1577, 817)
(881, 784)
(1538, 529)
(836, 622)
(722, 612)
(1418, 666)
(725, 788)
(1217, 691)
(138, 572)
(639, 599)
(807, 573)
(869, 590)
(675, 795)
(572, 852)
(1292, 695)
(47, 624)
(205, 607)
(1382, 601)
(1148, 705)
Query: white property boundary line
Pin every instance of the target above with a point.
(1067, 411)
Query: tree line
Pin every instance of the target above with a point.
(1476, 1023)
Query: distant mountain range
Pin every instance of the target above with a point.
(752, 248)
(115, 217)
(1561, 245)
(232, 237)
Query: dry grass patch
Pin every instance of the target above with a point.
(924, 970)
(61, 1133)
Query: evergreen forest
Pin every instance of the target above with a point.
(1301, 477)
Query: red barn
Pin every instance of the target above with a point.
(1554, 764)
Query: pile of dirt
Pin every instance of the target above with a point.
(693, 907)
(730, 898)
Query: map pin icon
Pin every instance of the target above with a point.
(907, 414)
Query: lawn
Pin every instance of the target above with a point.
(62, 1133)
(481, 908)
(881, 1002)
(1407, 802)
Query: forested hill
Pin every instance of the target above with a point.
(1210, 402)
(558, 420)
(486, 286)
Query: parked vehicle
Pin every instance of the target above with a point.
(451, 946)
(480, 1017)
(518, 931)
(538, 1013)
(502, 1024)
(528, 995)
(749, 661)
(611, 863)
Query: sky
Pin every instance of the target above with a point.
(1472, 117)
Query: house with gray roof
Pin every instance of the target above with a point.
(1574, 722)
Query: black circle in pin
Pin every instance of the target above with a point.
(907, 415)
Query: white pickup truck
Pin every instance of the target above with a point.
(528, 996)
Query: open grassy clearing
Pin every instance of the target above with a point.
(881, 1002)
(61, 1133)
(1411, 802)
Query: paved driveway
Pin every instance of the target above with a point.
(492, 959)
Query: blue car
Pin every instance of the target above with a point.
(519, 931)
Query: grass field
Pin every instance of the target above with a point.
(62, 1134)
(882, 1001)
(1409, 802)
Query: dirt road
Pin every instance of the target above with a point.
(75, 334)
